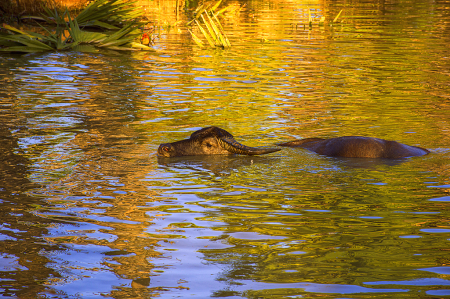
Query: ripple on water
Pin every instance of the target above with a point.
(435, 230)
(443, 198)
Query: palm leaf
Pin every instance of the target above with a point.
(52, 16)
(336, 18)
(196, 39)
(210, 30)
(228, 44)
(11, 28)
(205, 34)
(216, 5)
(97, 23)
(231, 8)
(104, 10)
(80, 37)
(199, 10)
(92, 11)
(209, 26)
(99, 13)
(219, 31)
(116, 37)
(23, 49)
(221, 39)
(57, 38)
(27, 41)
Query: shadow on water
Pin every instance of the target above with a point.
(221, 165)
(368, 163)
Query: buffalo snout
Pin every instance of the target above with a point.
(165, 150)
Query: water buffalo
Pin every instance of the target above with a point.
(209, 141)
(358, 147)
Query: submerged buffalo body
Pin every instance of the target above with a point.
(358, 147)
(216, 141)
(209, 141)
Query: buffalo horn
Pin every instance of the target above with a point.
(235, 147)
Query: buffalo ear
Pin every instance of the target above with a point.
(235, 147)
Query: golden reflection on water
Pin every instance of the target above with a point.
(89, 210)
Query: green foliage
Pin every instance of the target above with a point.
(206, 20)
(105, 13)
(119, 19)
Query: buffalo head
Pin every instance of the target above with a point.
(210, 141)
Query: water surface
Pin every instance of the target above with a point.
(88, 209)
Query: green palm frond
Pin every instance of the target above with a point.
(79, 36)
(26, 40)
(197, 40)
(107, 11)
(21, 49)
(53, 16)
(106, 14)
(209, 25)
(120, 37)
(205, 34)
(226, 42)
(58, 39)
(100, 24)
(11, 28)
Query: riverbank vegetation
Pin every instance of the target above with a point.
(205, 18)
(91, 25)
(109, 24)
